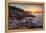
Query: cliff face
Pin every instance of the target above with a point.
(15, 12)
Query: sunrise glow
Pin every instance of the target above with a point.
(33, 10)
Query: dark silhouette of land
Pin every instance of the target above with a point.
(15, 12)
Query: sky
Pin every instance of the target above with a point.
(29, 7)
